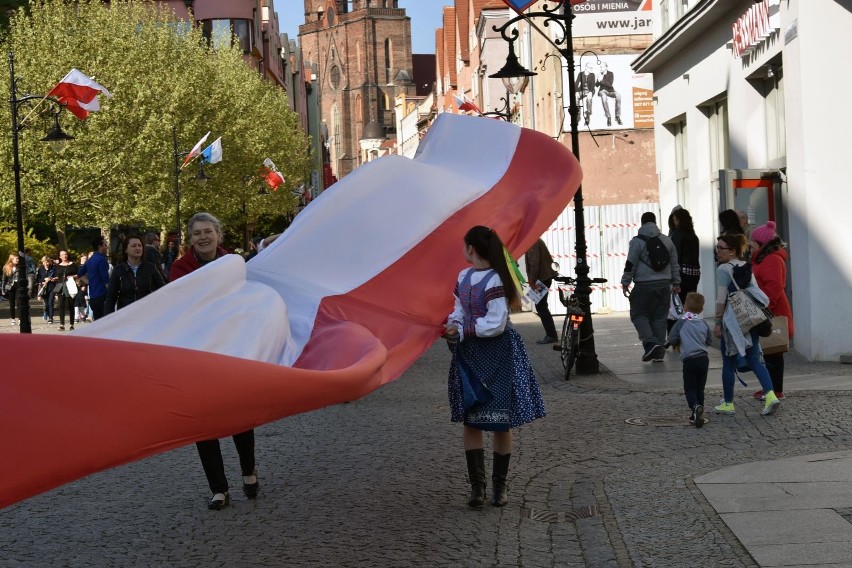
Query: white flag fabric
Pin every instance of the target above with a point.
(196, 150)
(344, 301)
(212, 154)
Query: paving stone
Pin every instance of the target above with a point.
(381, 481)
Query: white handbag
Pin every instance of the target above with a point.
(71, 286)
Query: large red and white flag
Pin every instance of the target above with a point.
(464, 104)
(79, 93)
(344, 301)
(196, 151)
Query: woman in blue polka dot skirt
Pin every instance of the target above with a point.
(491, 383)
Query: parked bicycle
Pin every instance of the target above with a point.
(569, 344)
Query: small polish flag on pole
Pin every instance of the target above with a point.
(196, 150)
(79, 93)
(271, 175)
(212, 154)
(464, 104)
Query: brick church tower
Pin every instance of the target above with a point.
(362, 49)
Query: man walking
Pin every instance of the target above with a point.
(152, 253)
(653, 268)
(540, 269)
(96, 270)
(31, 272)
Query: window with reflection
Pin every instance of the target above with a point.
(224, 32)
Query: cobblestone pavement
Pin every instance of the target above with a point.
(381, 482)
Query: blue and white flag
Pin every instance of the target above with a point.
(213, 153)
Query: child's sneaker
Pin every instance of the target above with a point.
(699, 416)
(725, 408)
(771, 405)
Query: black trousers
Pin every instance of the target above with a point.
(214, 468)
(66, 304)
(543, 311)
(695, 379)
(775, 366)
(97, 305)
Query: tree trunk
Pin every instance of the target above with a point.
(61, 237)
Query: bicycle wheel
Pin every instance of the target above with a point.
(575, 350)
(569, 346)
(563, 344)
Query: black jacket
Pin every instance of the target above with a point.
(124, 288)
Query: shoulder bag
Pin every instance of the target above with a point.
(70, 287)
(749, 312)
(778, 341)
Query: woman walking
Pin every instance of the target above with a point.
(733, 273)
(769, 264)
(205, 236)
(686, 244)
(46, 282)
(131, 279)
(9, 284)
(65, 270)
(491, 383)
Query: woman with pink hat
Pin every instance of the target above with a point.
(769, 265)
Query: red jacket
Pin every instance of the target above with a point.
(189, 263)
(771, 276)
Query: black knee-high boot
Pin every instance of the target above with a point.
(498, 479)
(476, 473)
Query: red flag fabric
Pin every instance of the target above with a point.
(273, 179)
(283, 333)
(79, 93)
(196, 151)
(464, 104)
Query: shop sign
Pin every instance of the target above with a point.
(755, 26)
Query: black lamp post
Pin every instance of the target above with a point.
(505, 112)
(57, 138)
(200, 179)
(562, 16)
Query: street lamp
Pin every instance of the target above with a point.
(200, 179)
(562, 16)
(57, 138)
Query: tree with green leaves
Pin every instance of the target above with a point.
(162, 74)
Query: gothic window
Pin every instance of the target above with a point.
(329, 16)
(337, 134)
(334, 77)
(388, 60)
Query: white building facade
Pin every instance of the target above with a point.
(750, 114)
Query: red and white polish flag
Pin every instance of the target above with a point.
(464, 104)
(344, 301)
(79, 93)
(196, 151)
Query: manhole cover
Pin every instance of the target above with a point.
(657, 421)
(560, 516)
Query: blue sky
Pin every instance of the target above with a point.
(425, 18)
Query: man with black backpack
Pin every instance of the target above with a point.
(653, 269)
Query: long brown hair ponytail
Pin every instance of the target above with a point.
(487, 244)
